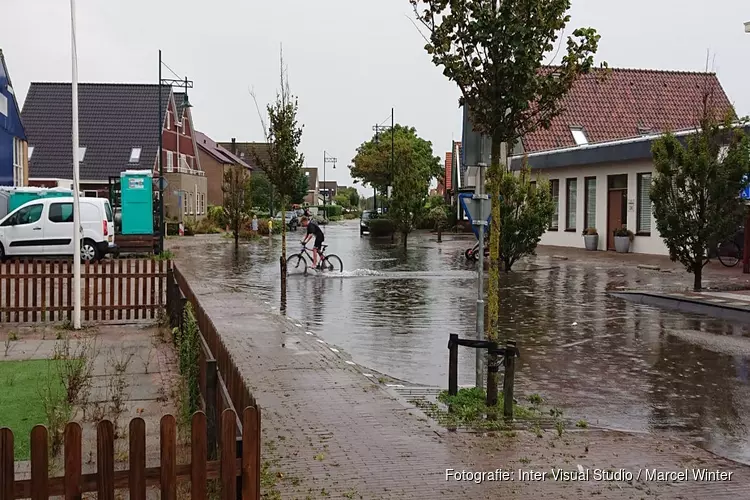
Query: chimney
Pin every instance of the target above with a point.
(234, 146)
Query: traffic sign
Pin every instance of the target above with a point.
(745, 193)
(471, 206)
(162, 183)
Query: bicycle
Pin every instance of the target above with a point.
(731, 251)
(297, 262)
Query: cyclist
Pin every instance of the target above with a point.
(313, 229)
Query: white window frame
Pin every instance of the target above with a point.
(185, 202)
(579, 136)
(170, 161)
(135, 155)
(183, 162)
(17, 162)
(555, 221)
(90, 194)
(169, 121)
(31, 152)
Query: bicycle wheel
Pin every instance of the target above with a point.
(332, 263)
(296, 264)
(729, 253)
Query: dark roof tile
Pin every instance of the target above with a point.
(113, 119)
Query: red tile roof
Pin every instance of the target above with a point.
(628, 102)
(448, 171)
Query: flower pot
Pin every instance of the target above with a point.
(622, 244)
(591, 241)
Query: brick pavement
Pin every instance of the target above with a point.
(330, 431)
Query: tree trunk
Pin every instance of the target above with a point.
(283, 247)
(697, 278)
(236, 230)
(493, 289)
(404, 236)
(440, 233)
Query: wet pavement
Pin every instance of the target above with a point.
(616, 364)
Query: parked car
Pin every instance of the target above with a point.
(364, 221)
(44, 227)
(290, 219)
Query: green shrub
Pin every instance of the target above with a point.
(217, 216)
(206, 226)
(263, 227)
(351, 216)
(382, 226)
(333, 210)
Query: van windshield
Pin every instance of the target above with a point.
(108, 211)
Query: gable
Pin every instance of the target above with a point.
(627, 103)
(10, 111)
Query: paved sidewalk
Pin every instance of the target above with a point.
(329, 430)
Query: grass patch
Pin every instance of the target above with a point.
(21, 384)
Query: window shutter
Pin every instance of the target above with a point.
(644, 203)
(591, 202)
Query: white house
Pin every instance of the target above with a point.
(597, 153)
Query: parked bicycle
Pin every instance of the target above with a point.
(297, 263)
(732, 250)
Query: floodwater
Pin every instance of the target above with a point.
(613, 363)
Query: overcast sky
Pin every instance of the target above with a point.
(349, 61)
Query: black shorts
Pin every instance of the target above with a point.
(319, 242)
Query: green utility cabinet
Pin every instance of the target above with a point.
(14, 197)
(137, 202)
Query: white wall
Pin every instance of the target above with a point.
(641, 244)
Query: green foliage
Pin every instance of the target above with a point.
(342, 200)
(372, 164)
(525, 214)
(206, 226)
(237, 188)
(262, 190)
(188, 348)
(494, 52)
(696, 188)
(217, 216)
(381, 226)
(468, 408)
(333, 210)
(300, 189)
(263, 226)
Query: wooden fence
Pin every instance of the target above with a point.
(121, 289)
(238, 475)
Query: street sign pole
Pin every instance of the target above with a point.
(480, 221)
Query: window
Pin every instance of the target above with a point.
(81, 153)
(169, 121)
(31, 151)
(183, 161)
(589, 203)
(644, 204)
(60, 212)
(30, 214)
(554, 186)
(203, 203)
(17, 162)
(135, 155)
(571, 198)
(185, 202)
(191, 202)
(579, 136)
(91, 194)
(3, 105)
(170, 161)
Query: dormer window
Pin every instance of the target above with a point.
(579, 136)
(31, 151)
(135, 155)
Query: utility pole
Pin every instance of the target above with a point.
(326, 159)
(76, 176)
(161, 167)
(377, 129)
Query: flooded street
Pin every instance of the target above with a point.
(611, 362)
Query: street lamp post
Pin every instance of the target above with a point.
(326, 159)
(746, 255)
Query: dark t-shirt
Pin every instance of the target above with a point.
(314, 228)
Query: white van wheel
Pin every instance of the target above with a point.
(89, 253)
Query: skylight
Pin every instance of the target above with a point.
(135, 155)
(31, 151)
(579, 136)
(81, 152)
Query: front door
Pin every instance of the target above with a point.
(616, 214)
(23, 231)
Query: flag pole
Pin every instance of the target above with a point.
(76, 178)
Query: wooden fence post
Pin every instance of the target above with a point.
(238, 481)
(170, 295)
(510, 371)
(181, 311)
(212, 412)
(453, 365)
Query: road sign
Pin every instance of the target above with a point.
(471, 206)
(162, 183)
(476, 147)
(745, 193)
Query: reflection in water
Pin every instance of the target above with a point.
(612, 362)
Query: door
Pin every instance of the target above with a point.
(58, 232)
(616, 214)
(23, 232)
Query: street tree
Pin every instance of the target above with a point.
(283, 161)
(525, 211)
(238, 202)
(494, 52)
(342, 200)
(300, 188)
(372, 164)
(695, 190)
(262, 191)
(410, 185)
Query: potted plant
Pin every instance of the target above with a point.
(591, 238)
(623, 237)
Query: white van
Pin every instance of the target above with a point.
(45, 227)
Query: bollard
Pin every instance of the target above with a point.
(440, 233)
(510, 371)
(453, 365)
